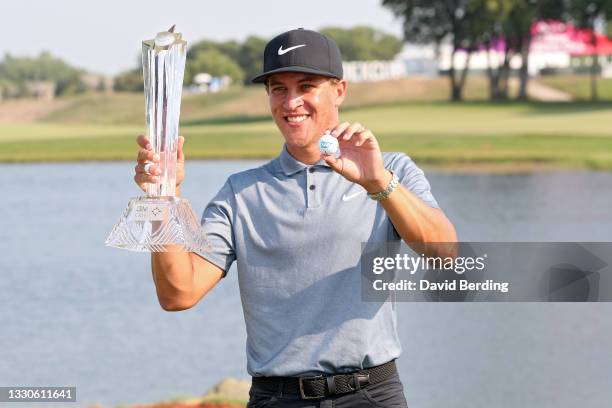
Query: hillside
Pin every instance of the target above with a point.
(237, 104)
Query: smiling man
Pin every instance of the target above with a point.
(295, 227)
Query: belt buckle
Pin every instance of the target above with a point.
(360, 380)
(304, 396)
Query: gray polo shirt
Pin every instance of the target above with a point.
(296, 232)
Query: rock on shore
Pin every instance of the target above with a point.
(228, 393)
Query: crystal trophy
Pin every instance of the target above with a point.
(160, 221)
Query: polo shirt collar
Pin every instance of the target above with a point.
(290, 165)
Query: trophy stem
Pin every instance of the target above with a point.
(163, 72)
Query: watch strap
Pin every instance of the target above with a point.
(381, 195)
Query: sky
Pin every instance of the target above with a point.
(105, 36)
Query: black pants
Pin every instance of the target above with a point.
(385, 394)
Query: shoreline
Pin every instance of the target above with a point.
(467, 168)
(507, 168)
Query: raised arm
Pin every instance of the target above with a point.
(181, 278)
(419, 225)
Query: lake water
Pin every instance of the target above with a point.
(73, 312)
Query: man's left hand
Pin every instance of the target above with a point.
(360, 158)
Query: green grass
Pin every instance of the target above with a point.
(45, 133)
(572, 135)
(236, 124)
(579, 86)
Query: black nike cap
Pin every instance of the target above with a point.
(303, 51)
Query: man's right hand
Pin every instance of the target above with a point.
(147, 156)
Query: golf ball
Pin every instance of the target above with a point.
(329, 144)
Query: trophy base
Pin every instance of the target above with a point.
(158, 224)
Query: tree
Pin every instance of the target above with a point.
(230, 48)
(357, 43)
(215, 63)
(587, 14)
(250, 57)
(508, 31)
(129, 81)
(70, 85)
(517, 24)
(459, 21)
(16, 72)
(363, 43)
(491, 37)
(517, 32)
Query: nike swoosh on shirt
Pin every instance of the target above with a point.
(281, 51)
(351, 196)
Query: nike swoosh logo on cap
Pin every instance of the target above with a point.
(351, 196)
(281, 51)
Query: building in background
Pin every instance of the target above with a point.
(556, 47)
(204, 83)
(369, 71)
(44, 90)
(412, 60)
(97, 82)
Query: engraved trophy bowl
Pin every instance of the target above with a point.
(160, 221)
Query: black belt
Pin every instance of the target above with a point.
(321, 386)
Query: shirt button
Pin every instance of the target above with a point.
(312, 187)
(312, 169)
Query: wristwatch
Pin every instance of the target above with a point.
(381, 195)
